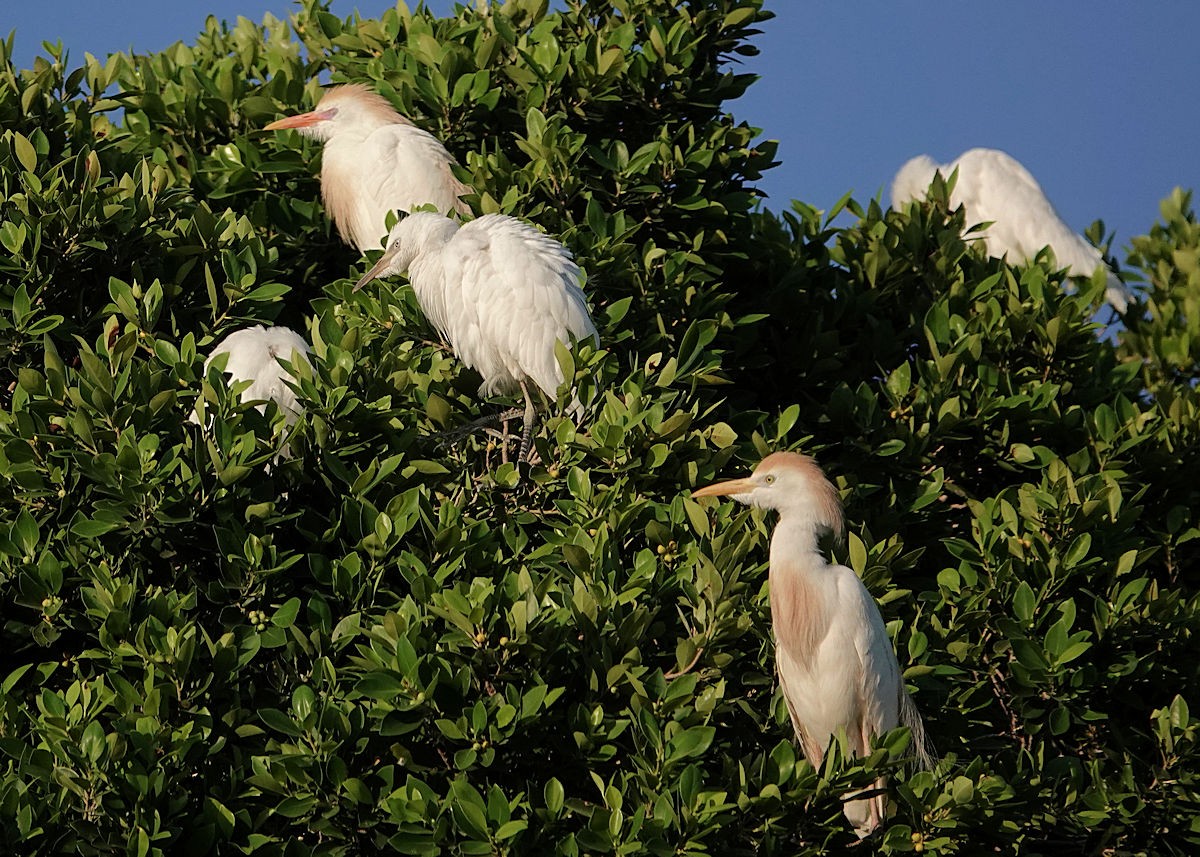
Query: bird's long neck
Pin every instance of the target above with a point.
(348, 203)
(796, 533)
(427, 270)
(801, 583)
(339, 192)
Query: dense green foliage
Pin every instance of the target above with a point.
(387, 644)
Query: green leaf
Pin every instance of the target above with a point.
(858, 553)
(24, 151)
(510, 829)
(13, 677)
(1078, 550)
(690, 743)
(295, 807)
(1072, 651)
(722, 436)
(91, 529)
(91, 742)
(553, 794)
(279, 721)
(450, 729)
(285, 616)
(890, 447)
(1024, 602)
(379, 685)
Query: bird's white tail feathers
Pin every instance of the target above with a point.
(910, 717)
(575, 408)
(1117, 293)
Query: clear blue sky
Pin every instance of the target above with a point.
(1098, 100)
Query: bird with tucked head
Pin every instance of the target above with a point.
(994, 188)
(252, 355)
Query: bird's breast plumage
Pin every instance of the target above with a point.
(370, 172)
(833, 656)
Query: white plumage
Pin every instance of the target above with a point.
(835, 662)
(993, 186)
(499, 291)
(375, 161)
(252, 357)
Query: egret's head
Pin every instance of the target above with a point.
(352, 106)
(913, 180)
(789, 483)
(412, 236)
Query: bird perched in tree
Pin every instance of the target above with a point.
(499, 291)
(994, 187)
(253, 356)
(375, 161)
(835, 663)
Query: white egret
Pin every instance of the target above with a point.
(499, 291)
(993, 186)
(835, 663)
(252, 356)
(375, 161)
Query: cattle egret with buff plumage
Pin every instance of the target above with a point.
(375, 161)
(835, 663)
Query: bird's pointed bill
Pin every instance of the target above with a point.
(378, 269)
(732, 488)
(300, 120)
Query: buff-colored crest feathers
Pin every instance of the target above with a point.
(827, 504)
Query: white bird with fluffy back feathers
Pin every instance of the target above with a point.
(500, 292)
(993, 186)
(253, 354)
(375, 161)
(833, 657)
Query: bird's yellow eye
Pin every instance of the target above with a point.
(770, 478)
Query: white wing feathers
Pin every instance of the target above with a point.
(422, 171)
(879, 692)
(826, 690)
(888, 704)
(520, 291)
(254, 354)
(995, 188)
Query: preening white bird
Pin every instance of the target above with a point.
(499, 291)
(993, 186)
(253, 356)
(833, 657)
(375, 161)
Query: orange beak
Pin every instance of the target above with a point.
(725, 489)
(300, 120)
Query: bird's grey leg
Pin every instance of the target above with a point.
(490, 421)
(527, 435)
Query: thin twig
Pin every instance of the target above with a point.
(674, 675)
